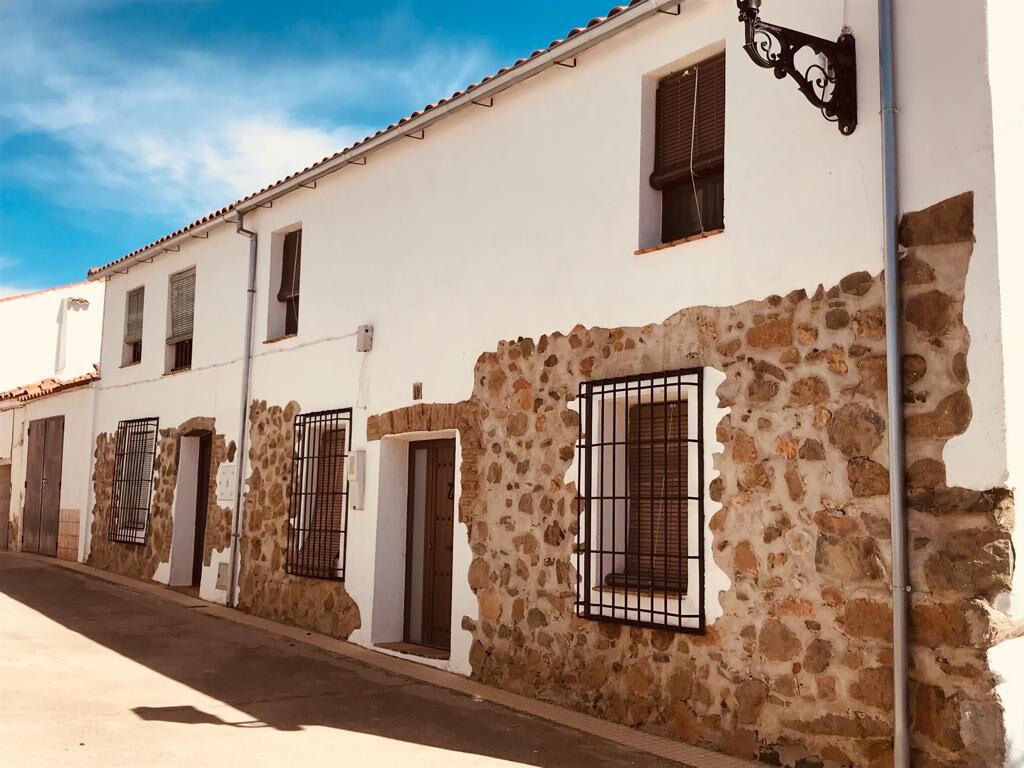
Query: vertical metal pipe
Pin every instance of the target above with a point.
(243, 410)
(894, 368)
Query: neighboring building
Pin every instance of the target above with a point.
(583, 393)
(51, 350)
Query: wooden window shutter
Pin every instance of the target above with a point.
(133, 315)
(656, 534)
(181, 301)
(675, 123)
(291, 264)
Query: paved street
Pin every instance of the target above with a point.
(92, 674)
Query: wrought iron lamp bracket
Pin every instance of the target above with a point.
(830, 86)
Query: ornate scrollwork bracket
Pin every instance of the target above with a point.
(831, 85)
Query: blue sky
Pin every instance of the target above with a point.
(122, 120)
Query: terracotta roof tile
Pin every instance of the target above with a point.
(47, 387)
(597, 20)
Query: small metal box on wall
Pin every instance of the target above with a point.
(364, 338)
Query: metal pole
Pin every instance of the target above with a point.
(243, 408)
(894, 368)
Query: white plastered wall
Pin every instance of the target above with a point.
(49, 335)
(524, 218)
(1005, 19)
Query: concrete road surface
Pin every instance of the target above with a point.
(92, 674)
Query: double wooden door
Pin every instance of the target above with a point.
(42, 485)
(428, 602)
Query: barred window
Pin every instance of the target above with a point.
(318, 503)
(640, 551)
(133, 480)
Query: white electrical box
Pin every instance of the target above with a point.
(356, 478)
(364, 338)
(226, 484)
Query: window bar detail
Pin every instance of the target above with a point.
(318, 500)
(133, 480)
(640, 554)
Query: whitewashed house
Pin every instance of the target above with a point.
(51, 350)
(576, 382)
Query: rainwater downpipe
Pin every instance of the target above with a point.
(894, 376)
(243, 411)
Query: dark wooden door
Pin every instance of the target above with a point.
(202, 506)
(42, 485)
(435, 505)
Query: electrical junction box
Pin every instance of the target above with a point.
(364, 338)
(222, 575)
(226, 485)
(356, 478)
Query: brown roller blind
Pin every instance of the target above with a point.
(321, 548)
(133, 315)
(291, 263)
(181, 299)
(675, 124)
(656, 532)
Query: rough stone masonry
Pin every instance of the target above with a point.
(141, 561)
(797, 671)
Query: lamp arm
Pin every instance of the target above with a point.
(831, 87)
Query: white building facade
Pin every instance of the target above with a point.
(452, 314)
(51, 353)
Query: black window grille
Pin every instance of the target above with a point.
(133, 480)
(318, 504)
(182, 355)
(640, 551)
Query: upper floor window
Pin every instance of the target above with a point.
(318, 502)
(689, 150)
(133, 480)
(181, 300)
(640, 553)
(286, 266)
(135, 301)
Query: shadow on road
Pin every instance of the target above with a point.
(285, 686)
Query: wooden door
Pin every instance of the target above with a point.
(42, 485)
(430, 543)
(202, 506)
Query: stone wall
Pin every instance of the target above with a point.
(142, 560)
(265, 589)
(797, 671)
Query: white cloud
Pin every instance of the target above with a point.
(187, 131)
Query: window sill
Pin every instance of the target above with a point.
(177, 371)
(130, 365)
(681, 241)
(281, 338)
(631, 592)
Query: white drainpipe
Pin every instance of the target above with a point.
(243, 407)
(894, 368)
